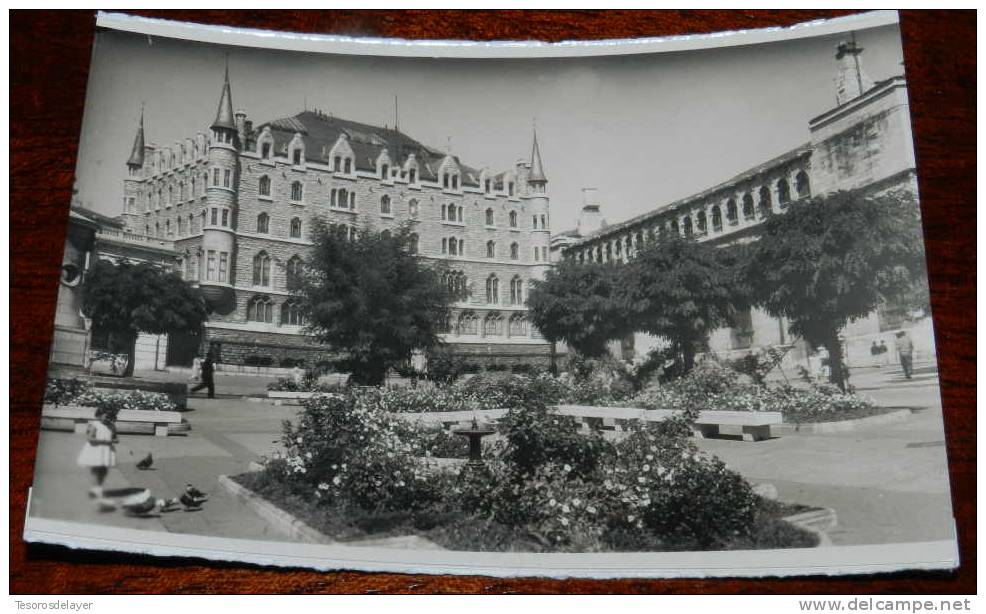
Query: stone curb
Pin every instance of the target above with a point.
(776, 430)
(287, 523)
(819, 522)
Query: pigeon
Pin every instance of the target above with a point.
(146, 462)
(192, 498)
(195, 492)
(143, 503)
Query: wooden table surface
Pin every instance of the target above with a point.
(50, 53)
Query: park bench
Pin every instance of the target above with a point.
(76, 417)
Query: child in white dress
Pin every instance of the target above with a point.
(99, 454)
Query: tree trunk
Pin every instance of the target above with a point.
(837, 369)
(687, 356)
(554, 359)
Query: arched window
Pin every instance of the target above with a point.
(491, 249)
(297, 191)
(716, 219)
(493, 325)
(384, 171)
(518, 325)
(701, 222)
(687, 226)
(412, 243)
(445, 212)
(263, 223)
(748, 211)
(385, 205)
(801, 185)
(296, 228)
(618, 248)
(188, 266)
(764, 204)
(510, 188)
(673, 228)
(167, 228)
(513, 219)
(732, 216)
(492, 289)
(260, 309)
(292, 313)
(264, 186)
(468, 323)
(294, 272)
(453, 246)
(352, 201)
(516, 290)
(171, 195)
(261, 269)
(412, 209)
(182, 193)
(783, 192)
(460, 211)
(191, 223)
(181, 226)
(514, 251)
(489, 217)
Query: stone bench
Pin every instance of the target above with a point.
(75, 418)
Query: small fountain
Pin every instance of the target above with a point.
(475, 432)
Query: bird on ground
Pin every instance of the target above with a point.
(144, 503)
(192, 498)
(146, 462)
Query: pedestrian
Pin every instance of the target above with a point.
(98, 454)
(905, 350)
(207, 377)
(884, 353)
(875, 353)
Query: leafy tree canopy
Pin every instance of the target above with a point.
(141, 297)
(581, 304)
(834, 259)
(682, 290)
(371, 298)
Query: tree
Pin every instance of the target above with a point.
(833, 260)
(370, 297)
(682, 290)
(125, 299)
(581, 304)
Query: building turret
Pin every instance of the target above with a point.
(133, 198)
(536, 179)
(537, 206)
(217, 269)
(850, 80)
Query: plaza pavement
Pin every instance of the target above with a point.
(888, 483)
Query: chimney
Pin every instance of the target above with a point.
(591, 218)
(241, 130)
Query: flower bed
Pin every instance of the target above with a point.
(80, 392)
(713, 386)
(289, 384)
(352, 470)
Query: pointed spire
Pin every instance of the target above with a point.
(224, 114)
(537, 167)
(137, 153)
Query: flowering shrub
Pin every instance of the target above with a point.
(666, 486)
(712, 386)
(308, 384)
(346, 446)
(80, 392)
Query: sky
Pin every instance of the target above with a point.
(644, 130)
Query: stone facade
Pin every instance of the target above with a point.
(239, 205)
(864, 144)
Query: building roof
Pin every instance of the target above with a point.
(537, 168)
(224, 114)
(79, 212)
(137, 153)
(320, 132)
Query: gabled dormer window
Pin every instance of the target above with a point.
(265, 151)
(510, 188)
(347, 166)
(296, 158)
(412, 176)
(337, 164)
(384, 171)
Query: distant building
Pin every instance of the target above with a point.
(237, 206)
(864, 143)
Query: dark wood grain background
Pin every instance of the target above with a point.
(49, 62)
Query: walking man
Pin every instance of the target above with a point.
(207, 377)
(905, 350)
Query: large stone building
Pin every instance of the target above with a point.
(238, 205)
(864, 143)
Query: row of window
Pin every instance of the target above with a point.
(294, 226)
(702, 223)
(492, 325)
(458, 288)
(294, 270)
(261, 308)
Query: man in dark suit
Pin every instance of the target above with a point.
(208, 369)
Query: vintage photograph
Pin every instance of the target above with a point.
(650, 313)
